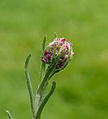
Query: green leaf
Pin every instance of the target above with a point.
(45, 100)
(9, 114)
(54, 51)
(44, 43)
(29, 84)
(42, 71)
(42, 68)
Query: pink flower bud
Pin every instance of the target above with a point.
(70, 44)
(64, 52)
(46, 52)
(43, 59)
(63, 40)
(56, 39)
(56, 54)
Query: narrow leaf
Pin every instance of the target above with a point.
(54, 51)
(43, 91)
(45, 100)
(42, 68)
(29, 84)
(44, 43)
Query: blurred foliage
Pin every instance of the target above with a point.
(82, 88)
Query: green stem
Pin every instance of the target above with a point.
(46, 77)
(45, 100)
(42, 72)
(42, 68)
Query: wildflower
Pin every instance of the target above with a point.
(62, 49)
(57, 55)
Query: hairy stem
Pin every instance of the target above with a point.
(45, 100)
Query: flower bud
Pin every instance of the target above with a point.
(59, 50)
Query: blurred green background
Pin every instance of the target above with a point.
(82, 88)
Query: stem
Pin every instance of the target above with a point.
(39, 94)
(42, 72)
(41, 89)
(42, 68)
(46, 77)
(45, 100)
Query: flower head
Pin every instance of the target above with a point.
(58, 50)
